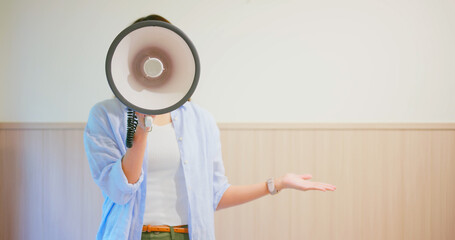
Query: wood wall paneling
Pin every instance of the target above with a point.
(394, 181)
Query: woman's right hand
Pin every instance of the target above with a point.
(141, 122)
(133, 158)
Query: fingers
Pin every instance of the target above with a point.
(141, 115)
(318, 189)
(306, 176)
(141, 120)
(325, 186)
(299, 182)
(318, 186)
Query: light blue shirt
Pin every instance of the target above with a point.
(124, 205)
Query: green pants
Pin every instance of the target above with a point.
(165, 235)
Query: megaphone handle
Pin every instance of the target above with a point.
(148, 122)
(131, 127)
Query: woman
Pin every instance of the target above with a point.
(171, 181)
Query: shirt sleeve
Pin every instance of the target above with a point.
(105, 158)
(220, 181)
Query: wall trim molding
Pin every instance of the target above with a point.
(337, 126)
(258, 126)
(41, 126)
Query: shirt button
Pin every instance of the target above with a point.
(180, 138)
(175, 119)
(185, 162)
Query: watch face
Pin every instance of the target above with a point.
(271, 186)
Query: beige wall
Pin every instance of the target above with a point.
(394, 181)
(261, 60)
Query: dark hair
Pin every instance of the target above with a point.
(152, 17)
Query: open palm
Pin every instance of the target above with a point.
(300, 182)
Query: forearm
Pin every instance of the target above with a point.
(134, 156)
(236, 195)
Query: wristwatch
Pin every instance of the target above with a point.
(271, 186)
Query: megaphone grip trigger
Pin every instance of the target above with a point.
(148, 120)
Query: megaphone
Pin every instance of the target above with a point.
(152, 67)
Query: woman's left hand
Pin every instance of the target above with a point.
(300, 182)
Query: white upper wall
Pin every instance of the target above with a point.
(262, 61)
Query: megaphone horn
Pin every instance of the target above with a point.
(152, 67)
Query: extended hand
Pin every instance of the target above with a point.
(300, 182)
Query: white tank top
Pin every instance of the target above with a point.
(166, 200)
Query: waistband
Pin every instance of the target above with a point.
(165, 228)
